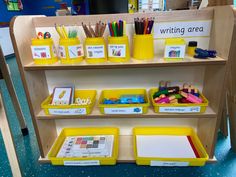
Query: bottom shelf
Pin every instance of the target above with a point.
(126, 154)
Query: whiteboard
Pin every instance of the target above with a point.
(5, 41)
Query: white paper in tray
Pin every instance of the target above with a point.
(164, 146)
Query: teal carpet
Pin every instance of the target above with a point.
(28, 152)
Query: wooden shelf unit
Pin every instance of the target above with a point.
(210, 75)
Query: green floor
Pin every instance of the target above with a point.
(28, 152)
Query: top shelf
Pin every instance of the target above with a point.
(157, 62)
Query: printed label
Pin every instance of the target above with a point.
(182, 29)
(118, 51)
(76, 51)
(132, 110)
(62, 52)
(169, 164)
(177, 51)
(192, 109)
(41, 52)
(95, 51)
(76, 111)
(82, 163)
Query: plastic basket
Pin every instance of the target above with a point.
(179, 108)
(88, 161)
(71, 109)
(123, 108)
(176, 131)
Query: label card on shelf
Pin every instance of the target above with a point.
(40, 52)
(182, 29)
(75, 111)
(192, 109)
(82, 163)
(169, 164)
(130, 110)
(115, 50)
(76, 51)
(95, 51)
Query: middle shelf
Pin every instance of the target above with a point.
(156, 62)
(151, 114)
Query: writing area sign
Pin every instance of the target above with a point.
(182, 29)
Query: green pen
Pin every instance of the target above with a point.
(114, 28)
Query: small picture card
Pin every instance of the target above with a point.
(62, 95)
(41, 52)
(95, 51)
(177, 51)
(117, 51)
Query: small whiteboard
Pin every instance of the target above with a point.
(5, 41)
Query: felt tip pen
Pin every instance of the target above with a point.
(191, 97)
(169, 99)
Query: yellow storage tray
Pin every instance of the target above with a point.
(71, 109)
(179, 108)
(88, 131)
(172, 131)
(123, 108)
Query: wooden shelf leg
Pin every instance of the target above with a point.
(224, 120)
(8, 141)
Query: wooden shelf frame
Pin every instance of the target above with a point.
(37, 89)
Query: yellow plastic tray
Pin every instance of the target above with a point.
(176, 131)
(71, 109)
(179, 108)
(123, 108)
(88, 131)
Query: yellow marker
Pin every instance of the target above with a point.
(64, 31)
(124, 28)
(59, 31)
(62, 94)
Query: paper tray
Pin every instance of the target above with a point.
(175, 131)
(84, 161)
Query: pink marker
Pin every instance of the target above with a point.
(166, 99)
(191, 97)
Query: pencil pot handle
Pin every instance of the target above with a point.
(143, 47)
(43, 51)
(118, 49)
(70, 50)
(95, 50)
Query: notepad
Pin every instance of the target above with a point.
(87, 146)
(164, 146)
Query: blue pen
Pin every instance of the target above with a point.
(109, 26)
